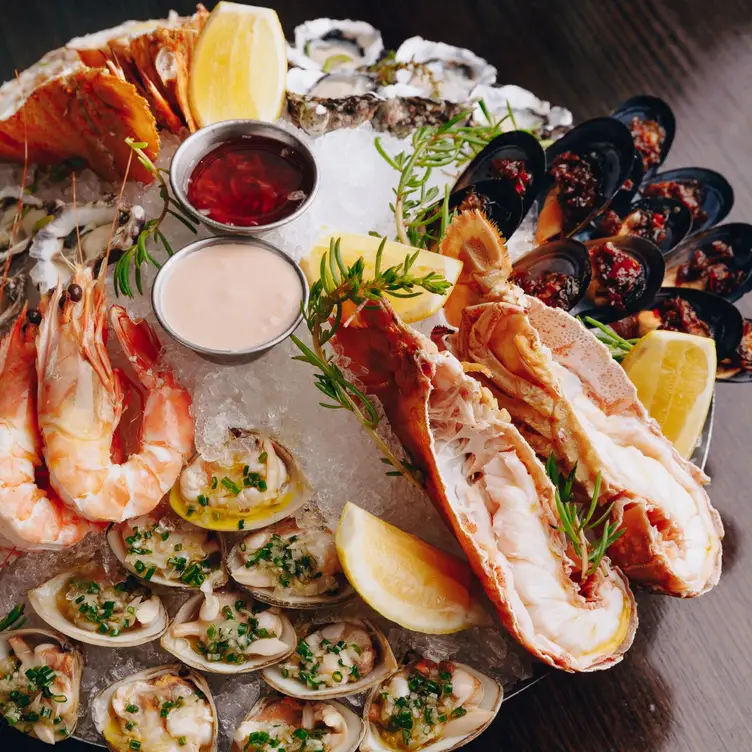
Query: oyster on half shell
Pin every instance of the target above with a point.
(332, 725)
(293, 564)
(41, 681)
(252, 482)
(91, 607)
(226, 633)
(462, 703)
(16, 232)
(331, 45)
(160, 708)
(334, 660)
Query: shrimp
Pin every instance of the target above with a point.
(81, 402)
(31, 518)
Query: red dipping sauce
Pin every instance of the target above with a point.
(250, 181)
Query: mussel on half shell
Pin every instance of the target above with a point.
(737, 368)
(467, 701)
(497, 199)
(334, 725)
(155, 708)
(628, 190)
(47, 655)
(252, 638)
(92, 608)
(334, 660)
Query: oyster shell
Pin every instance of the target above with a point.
(15, 237)
(336, 727)
(56, 246)
(172, 703)
(471, 703)
(334, 660)
(252, 482)
(330, 45)
(56, 665)
(162, 549)
(13, 297)
(402, 115)
(73, 602)
(309, 575)
(232, 614)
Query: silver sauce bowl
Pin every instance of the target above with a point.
(223, 357)
(205, 140)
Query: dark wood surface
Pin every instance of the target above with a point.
(686, 685)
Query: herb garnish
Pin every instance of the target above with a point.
(617, 346)
(14, 619)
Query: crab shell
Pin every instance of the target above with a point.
(43, 600)
(384, 666)
(181, 649)
(493, 695)
(71, 718)
(100, 706)
(355, 726)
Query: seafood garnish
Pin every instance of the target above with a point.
(169, 707)
(227, 633)
(495, 494)
(430, 706)
(87, 227)
(40, 678)
(276, 722)
(81, 401)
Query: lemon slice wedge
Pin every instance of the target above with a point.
(239, 68)
(404, 578)
(354, 246)
(674, 374)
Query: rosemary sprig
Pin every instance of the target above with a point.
(14, 619)
(139, 254)
(576, 521)
(338, 285)
(617, 346)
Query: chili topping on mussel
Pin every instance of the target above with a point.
(513, 170)
(648, 137)
(688, 192)
(616, 275)
(576, 185)
(642, 223)
(555, 289)
(473, 201)
(675, 314)
(711, 270)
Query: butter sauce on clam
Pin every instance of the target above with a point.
(226, 633)
(160, 708)
(91, 607)
(334, 660)
(275, 723)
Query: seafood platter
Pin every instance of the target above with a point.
(339, 386)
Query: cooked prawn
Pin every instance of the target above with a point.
(31, 517)
(81, 402)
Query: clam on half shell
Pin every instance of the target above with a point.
(320, 581)
(170, 702)
(254, 482)
(335, 648)
(147, 620)
(183, 641)
(342, 730)
(479, 711)
(34, 649)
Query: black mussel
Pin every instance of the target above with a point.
(557, 273)
(737, 368)
(626, 274)
(586, 168)
(515, 157)
(706, 193)
(497, 199)
(718, 260)
(629, 188)
(652, 124)
(682, 309)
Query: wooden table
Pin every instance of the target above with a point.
(686, 685)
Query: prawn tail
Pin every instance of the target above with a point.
(141, 346)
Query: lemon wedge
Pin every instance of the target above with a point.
(674, 374)
(354, 246)
(239, 67)
(404, 578)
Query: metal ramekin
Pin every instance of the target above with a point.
(223, 357)
(199, 144)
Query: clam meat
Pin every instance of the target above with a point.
(162, 708)
(430, 706)
(290, 564)
(227, 633)
(40, 678)
(164, 550)
(93, 608)
(337, 659)
(252, 482)
(275, 723)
